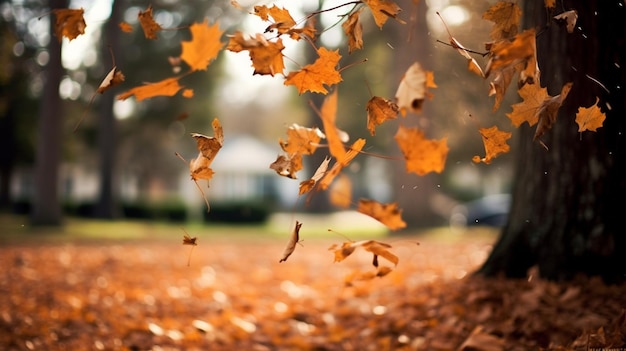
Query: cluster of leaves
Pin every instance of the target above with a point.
(510, 54)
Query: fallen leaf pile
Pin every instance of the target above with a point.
(237, 296)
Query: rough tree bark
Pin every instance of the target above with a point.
(46, 200)
(567, 212)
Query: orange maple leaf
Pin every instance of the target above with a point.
(283, 21)
(388, 214)
(166, 87)
(379, 110)
(314, 76)
(590, 118)
(422, 155)
(203, 47)
(354, 31)
(495, 144)
(499, 85)
(506, 17)
(69, 23)
(266, 56)
(527, 111)
(148, 24)
(382, 10)
(413, 89)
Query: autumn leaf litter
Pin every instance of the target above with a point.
(236, 295)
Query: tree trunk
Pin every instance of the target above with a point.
(108, 206)
(565, 215)
(412, 43)
(46, 202)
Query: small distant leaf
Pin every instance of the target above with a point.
(590, 118)
(148, 24)
(113, 78)
(69, 23)
(125, 27)
(188, 93)
(291, 244)
(287, 165)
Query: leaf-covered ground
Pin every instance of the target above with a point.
(235, 295)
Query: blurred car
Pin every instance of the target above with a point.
(491, 210)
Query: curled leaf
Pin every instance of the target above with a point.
(291, 244)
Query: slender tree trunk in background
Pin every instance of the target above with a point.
(411, 44)
(567, 215)
(108, 206)
(46, 201)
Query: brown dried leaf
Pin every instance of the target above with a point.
(291, 244)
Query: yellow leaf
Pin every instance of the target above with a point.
(382, 10)
(495, 143)
(379, 110)
(266, 56)
(506, 17)
(527, 111)
(388, 214)
(166, 87)
(354, 31)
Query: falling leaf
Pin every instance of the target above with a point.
(375, 247)
(472, 65)
(506, 53)
(188, 240)
(125, 27)
(380, 110)
(495, 143)
(291, 244)
(166, 87)
(422, 155)
(354, 31)
(322, 72)
(287, 165)
(549, 3)
(388, 214)
(200, 167)
(328, 114)
(506, 17)
(382, 10)
(203, 47)
(283, 21)
(527, 111)
(413, 89)
(301, 140)
(148, 24)
(69, 23)
(569, 18)
(548, 111)
(354, 150)
(590, 118)
(340, 193)
(113, 78)
(499, 85)
(266, 56)
(307, 185)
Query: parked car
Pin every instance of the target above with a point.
(491, 210)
